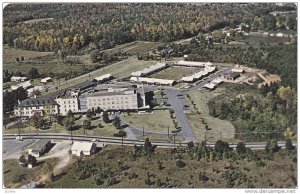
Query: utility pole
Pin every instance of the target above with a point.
(122, 140)
(143, 131)
(19, 128)
(29, 125)
(168, 132)
(174, 139)
(220, 135)
(72, 136)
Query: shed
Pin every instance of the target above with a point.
(83, 148)
(39, 148)
(209, 86)
(18, 79)
(103, 78)
(46, 80)
(217, 81)
(238, 70)
(231, 76)
(25, 85)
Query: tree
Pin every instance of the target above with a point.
(221, 146)
(105, 117)
(289, 144)
(89, 114)
(148, 148)
(98, 110)
(32, 160)
(86, 124)
(148, 180)
(272, 146)
(180, 163)
(288, 95)
(37, 120)
(94, 56)
(241, 148)
(117, 122)
(33, 73)
(69, 122)
(36, 93)
(70, 114)
(22, 160)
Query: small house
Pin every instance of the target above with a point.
(46, 80)
(238, 70)
(39, 148)
(18, 79)
(25, 85)
(231, 76)
(83, 148)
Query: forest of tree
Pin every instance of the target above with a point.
(75, 26)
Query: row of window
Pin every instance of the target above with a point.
(32, 112)
(36, 107)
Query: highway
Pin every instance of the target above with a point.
(129, 142)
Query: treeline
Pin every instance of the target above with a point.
(105, 25)
(273, 113)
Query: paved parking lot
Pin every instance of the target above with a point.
(13, 148)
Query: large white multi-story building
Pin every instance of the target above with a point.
(114, 99)
(42, 106)
(120, 98)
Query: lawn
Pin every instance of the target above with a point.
(219, 129)
(108, 129)
(158, 121)
(174, 73)
(123, 69)
(141, 47)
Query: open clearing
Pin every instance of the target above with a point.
(117, 162)
(219, 129)
(10, 54)
(174, 73)
(157, 121)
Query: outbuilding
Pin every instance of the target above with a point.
(39, 148)
(25, 85)
(83, 148)
(18, 79)
(46, 80)
(231, 76)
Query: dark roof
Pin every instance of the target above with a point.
(232, 74)
(83, 85)
(55, 94)
(42, 101)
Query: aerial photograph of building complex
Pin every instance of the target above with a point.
(149, 95)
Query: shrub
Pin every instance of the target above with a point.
(289, 144)
(180, 164)
(120, 133)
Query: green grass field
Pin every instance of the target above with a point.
(219, 128)
(108, 129)
(157, 122)
(174, 73)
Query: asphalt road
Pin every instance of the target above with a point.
(178, 107)
(12, 148)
